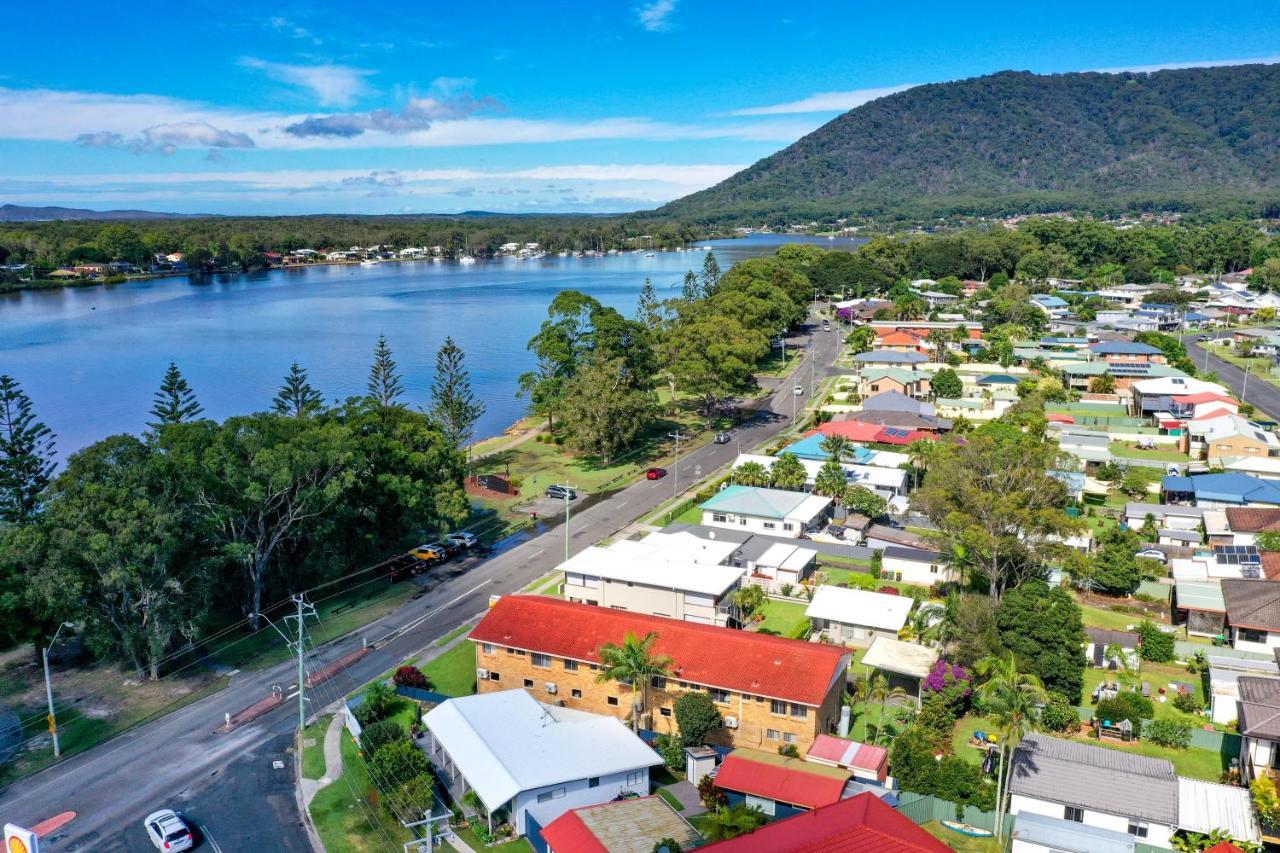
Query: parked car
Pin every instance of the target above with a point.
(463, 539)
(561, 492)
(826, 327)
(431, 552)
(168, 831)
(1152, 554)
(655, 473)
(799, 390)
(1204, 338)
(723, 438)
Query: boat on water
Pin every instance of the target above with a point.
(466, 259)
(967, 829)
(706, 248)
(368, 262)
(650, 255)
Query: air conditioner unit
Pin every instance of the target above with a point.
(482, 673)
(730, 722)
(551, 686)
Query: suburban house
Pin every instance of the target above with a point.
(1165, 516)
(1228, 436)
(1224, 683)
(777, 785)
(917, 566)
(1054, 306)
(855, 617)
(895, 409)
(881, 536)
(1096, 786)
(906, 665)
(886, 482)
(1203, 405)
(860, 824)
(771, 691)
(1253, 614)
(638, 579)
(888, 358)
(1037, 833)
(1154, 395)
(867, 763)
(1127, 352)
(518, 754)
(1245, 523)
(1263, 467)
(624, 826)
(1100, 640)
(1259, 718)
(913, 383)
(774, 511)
(1221, 490)
(767, 561)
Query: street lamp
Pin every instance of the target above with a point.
(48, 688)
(675, 469)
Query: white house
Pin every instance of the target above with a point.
(776, 512)
(516, 752)
(637, 578)
(1095, 786)
(917, 566)
(885, 482)
(855, 617)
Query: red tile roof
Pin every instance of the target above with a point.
(1253, 519)
(1270, 564)
(755, 664)
(784, 780)
(852, 430)
(861, 824)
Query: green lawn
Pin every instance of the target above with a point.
(692, 515)
(1110, 619)
(1193, 762)
(773, 366)
(865, 721)
(784, 617)
(1128, 451)
(313, 756)
(700, 823)
(1157, 675)
(473, 841)
(965, 727)
(455, 633)
(958, 842)
(454, 672)
(670, 799)
(346, 813)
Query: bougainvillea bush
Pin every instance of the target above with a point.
(950, 681)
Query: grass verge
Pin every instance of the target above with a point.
(454, 672)
(346, 813)
(313, 756)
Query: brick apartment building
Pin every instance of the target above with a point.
(769, 690)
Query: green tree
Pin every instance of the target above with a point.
(1266, 276)
(696, 717)
(27, 457)
(296, 397)
(860, 339)
(1013, 698)
(880, 690)
(710, 277)
(716, 359)
(836, 446)
(1044, 628)
(412, 801)
(635, 664)
(1115, 569)
(750, 474)
(947, 384)
(385, 385)
(862, 500)
(830, 481)
(1156, 645)
(1104, 383)
(786, 472)
(648, 308)
(396, 764)
(748, 600)
(175, 402)
(732, 822)
(602, 413)
(454, 405)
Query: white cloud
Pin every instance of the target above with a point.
(449, 98)
(822, 102)
(168, 138)
(1211, 63)
(332, 85)
(655, 16)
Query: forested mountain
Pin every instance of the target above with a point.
(1012, 142)
(24, 213)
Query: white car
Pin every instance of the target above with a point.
(168, 831)
(1152, 554)
(799, 390)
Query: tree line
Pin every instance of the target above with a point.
(147, 542)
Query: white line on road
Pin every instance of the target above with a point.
(621, 504)
(537, 552)
(208, 836)
(400, 632)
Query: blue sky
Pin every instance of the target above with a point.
(567, 106)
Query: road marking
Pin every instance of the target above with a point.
(400, 632)
(537, 552)
(622, 503)
(208, 836)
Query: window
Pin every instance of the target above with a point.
(788, 737)
(570, 666)
(933, 569)
(553, 794)
(541, 661)
(487, 648)
(659, 683)
(799, 712)
(1138, 829)
(528, 682)
(743, 522)
(664, 712)
(875, 387)
(718, 517)
(593, 782)
(788, 526)
(1073, 813)
(777, 706)
(764, 804)
(636, 777)
(718, 695)
(494, 676)
(575, 693)
(1249, 635)
(613, 700)
(769, 525)
(770, 734)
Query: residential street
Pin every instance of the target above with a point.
(1263, 395)
(227, 783)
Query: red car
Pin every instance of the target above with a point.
(655, 473)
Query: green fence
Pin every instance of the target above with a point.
(923, 808)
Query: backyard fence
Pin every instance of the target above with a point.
(923, 808)
(417, 694)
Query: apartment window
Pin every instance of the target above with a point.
(494, 676)
(1073, 813)
(575, 693)
(718, 695)
(1249, 635)
(770, 734)
(718, 517)
(875, 387)
(570, 666)
(659, 683)
(593, 782)
(664, 712)
(528, 682)
(487, 648)
(553, 794)
(613, 700)
(799, 712)
(1138, 829)
(635, 777)
(541, 661)
(743, 522)
(777, 706)
(788, 737)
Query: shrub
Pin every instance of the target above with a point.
(411, 676)
(395, 764)
(712, 797)
(1059, 715)
(696, 717)
(1157, 646)
(787, 589)
(951, 683)
(379, 699)
(1168, 733)
(1188, 702)
(1128, 705)
(888, 590)
(789, 750)
(379, 734)
(668, 746)
(412, 800)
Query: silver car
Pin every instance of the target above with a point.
(168, 831)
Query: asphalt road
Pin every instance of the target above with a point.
(1264, 396)
(238, 787)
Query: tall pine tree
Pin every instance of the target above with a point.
(647, 307)
(710, 274)
(296, 397)
(691, 290)
(175, 402)
(384, 382)
(26, 455)
(453, 404)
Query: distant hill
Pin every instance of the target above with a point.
(22, 213)
(1013, 142)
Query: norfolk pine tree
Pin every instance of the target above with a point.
(385, 385)
(296, 397)
(26, 454)
(175, 402)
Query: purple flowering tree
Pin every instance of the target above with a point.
(952, 682)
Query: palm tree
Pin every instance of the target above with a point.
(879, 690)
(633, 663)
(925, 620)
(830, 481)
(748, 600)
(786, 472)
(751, 474)
(733, 821)
(1013, 699)
(836, 446)
(921, 453)
(938, 339)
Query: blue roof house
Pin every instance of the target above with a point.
(1221, 490)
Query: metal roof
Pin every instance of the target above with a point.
(860, 607)
(1204, 807)
(1068, 836)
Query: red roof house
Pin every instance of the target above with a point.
(866, 761)
(861, 824)
(621, 826)
(852, 430)
(791, 781)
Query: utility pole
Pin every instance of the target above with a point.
(568, 490)
(48, 689)
(1244, 389)
(675, 469)
(299, 646)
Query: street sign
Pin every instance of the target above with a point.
(19, 840)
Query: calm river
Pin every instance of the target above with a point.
(91, 357)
